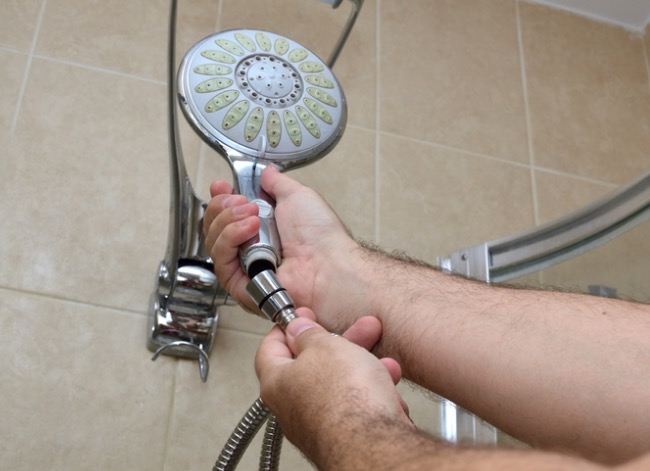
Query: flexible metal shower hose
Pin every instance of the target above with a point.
(243, 435)
(271, 446)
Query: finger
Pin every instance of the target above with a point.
(223, 211)
(365, 332)
(306, 312)
(219, 187)
(225, 249)
(303, 331)
(278, 185)
(218, 205)
(405, 407)
(272, 351)
(219, 190)
(394, 369)
(274, 346)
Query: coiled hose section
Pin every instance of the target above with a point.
(243, 435)
(271, 446)
(276, 305)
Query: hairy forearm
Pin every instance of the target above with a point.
(556, 370)
(365, 442)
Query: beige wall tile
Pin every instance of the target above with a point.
(86, 204)
(588, 93)
(212, 166)
(558, 195)
(450, 74)
(12, 69)
(121, 35)
(436, 201)
(236, 318)
(646, 41)
(346, 179)
(18, 23)
(317, 26)
(79, 388)
(196, 20)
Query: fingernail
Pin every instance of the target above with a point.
(273, 168)
(299, 325)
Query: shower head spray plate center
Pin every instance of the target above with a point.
(269, 81)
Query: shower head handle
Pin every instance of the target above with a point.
(260, 99)
(264, 250)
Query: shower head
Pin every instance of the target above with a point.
(257, 96)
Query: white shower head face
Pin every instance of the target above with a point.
(262, 96)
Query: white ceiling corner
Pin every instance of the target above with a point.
(631, 14)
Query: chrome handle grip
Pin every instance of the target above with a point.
(264, 249)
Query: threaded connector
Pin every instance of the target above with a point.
(271, 298)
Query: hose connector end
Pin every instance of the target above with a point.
(271, 298)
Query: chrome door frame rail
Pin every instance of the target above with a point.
(556, 241)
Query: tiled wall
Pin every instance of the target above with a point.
(468, 121)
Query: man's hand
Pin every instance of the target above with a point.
(319, 385)
(316, 248)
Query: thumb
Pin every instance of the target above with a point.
(278, 185)
(301, 332)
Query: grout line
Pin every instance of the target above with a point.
(646, 54)
(377, 123)
(529, 127)
(200, 167)
(500, 159)
(170, 417)
(455, 149)
(55, 297)
(12, 49)
(359, 127)
(217, 25)
(99, 69)
(581, 178)
(28, 66)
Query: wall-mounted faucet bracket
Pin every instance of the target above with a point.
(183, 307)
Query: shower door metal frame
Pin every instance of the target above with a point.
(556, 241)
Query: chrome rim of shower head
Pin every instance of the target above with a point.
(257, 95)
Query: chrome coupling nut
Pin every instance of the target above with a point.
(271, 298)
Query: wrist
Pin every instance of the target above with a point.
(402, 292)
